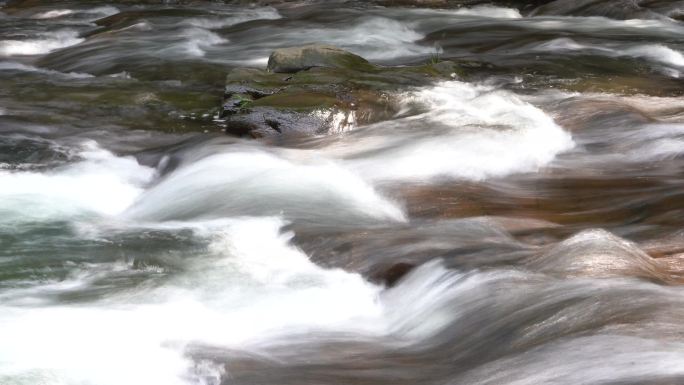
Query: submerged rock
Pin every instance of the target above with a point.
(615, 9)
(600, 254)
(318, 89)
(520, 4)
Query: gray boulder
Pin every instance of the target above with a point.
(295, 59)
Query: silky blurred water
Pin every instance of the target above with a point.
(518, 226)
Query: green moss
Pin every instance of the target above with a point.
(355, 63)
(185, 101)
(296, 101)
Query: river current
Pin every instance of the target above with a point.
(523, 225)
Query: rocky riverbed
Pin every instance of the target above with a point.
(341, 192)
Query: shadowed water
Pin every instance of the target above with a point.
(519, 224)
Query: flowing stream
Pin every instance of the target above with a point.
(523, 226)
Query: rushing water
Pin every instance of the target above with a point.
(537, 206)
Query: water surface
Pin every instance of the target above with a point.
(522, 226)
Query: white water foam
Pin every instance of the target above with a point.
(561, 44)
(429, 289)
(57, 13)
(251, 181)
(198, 40)
(14, 66)
(654, 142)
(469, 132)
(374, 38)
(599, 359)
(601, 25)
(250, 288)
(481, 11)
(654, 52)
(100, 184)
(487, 11)
(658, 53)
(46, 43)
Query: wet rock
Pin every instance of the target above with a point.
(599, 112)
(671, 245)
(677, 15)
(235, 103)
(265, 121)
(312, 90)
(600, 254)
(644, 83)
(295, 59)
(389, 276)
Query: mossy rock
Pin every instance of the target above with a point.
(295, 59)
(322, 98)
(297, 101)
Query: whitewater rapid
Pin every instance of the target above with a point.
(247, 285)
(516, 224)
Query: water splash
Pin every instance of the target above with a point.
(45, 44)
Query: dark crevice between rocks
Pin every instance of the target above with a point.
(274, 124)
(389, 276)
